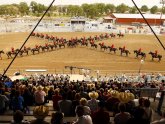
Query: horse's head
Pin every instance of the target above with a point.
(135, 51)
(2, 51)
(150, 53)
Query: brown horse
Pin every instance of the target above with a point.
(142, 54)
(103, 47)
(26, 51)
(10, 53)
(124, 51)
(153, 55)
(1, 52)
(93, 45)
(120, 35)
(33, 50)
(112, 49)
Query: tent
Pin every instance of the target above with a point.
(19, 77)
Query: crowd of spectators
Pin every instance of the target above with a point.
(92, 101)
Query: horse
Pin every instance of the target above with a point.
(103, 47)
(1, 52)
(155, 56)
(33, 50)
(112, 35)
(112, 49)
(141, 54)
(61, 45)
(10, 53)
(84, 43)
(124, 51)
(93, 45)
(120, 35)
(45, 48)
(26, 50)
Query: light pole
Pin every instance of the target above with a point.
(141, 63)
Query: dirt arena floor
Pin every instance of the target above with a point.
(84, 57)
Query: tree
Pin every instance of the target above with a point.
(109, 8)
(122, 8)
(144, 8)
(100, 8)
(154, 9)
(34, 6)
(23, 8)
(133, 10)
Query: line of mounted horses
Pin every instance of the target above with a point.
(58, 43)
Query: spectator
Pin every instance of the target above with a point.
(40, 112)
(138, 117)
(17, 102)
(56, 97)
(93, 102)
(100, 116)
(82, 119)
(57, 118)
(3, 103)
(50, 93)
(39, 96)
(123, 116)
(84, 103)
(18, 118)
(148, 111)
(65, 105)
(75, 103)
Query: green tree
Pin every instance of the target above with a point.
(122, 8)
(100, 8)
(109, 8)
(23, 8)
(34, 6)
(144, 8)
(154, 9)
(133, 10)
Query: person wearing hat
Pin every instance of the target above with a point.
(93, 102)
(40, 112)
(39, 96)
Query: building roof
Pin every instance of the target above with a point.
(138, 16)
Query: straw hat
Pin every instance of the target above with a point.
(40, 112)
(114, 93)
(93, 95)
(39, 88)
(123, 97)
(131, 96)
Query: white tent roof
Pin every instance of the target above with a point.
(138, 16)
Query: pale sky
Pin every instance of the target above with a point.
(149, 3)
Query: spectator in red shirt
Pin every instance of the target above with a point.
(55, 98)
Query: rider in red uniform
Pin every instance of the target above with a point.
(123, 48)
(102, 44)
(112, 46)
(156, 52)
(139, 51)
(12, 49)
(36, 46)
(46, 44)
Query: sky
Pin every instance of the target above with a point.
(139, 3)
